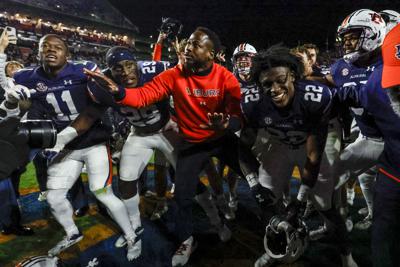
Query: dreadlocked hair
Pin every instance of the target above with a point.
(275, 56)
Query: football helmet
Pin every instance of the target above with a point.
(372, 32)
(285, 241)
(241, 58)
(391, 17)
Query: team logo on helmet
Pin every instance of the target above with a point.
(41, 87)
(345, 72)
(397, 55)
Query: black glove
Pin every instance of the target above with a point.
(295, 209)
(264, 197)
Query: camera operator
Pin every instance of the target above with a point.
(14, 156)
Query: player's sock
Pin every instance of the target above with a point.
(117, 209)
(132, 205)
(366, 184)
(62, 210)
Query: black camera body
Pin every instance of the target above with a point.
(171, 27)
(18, 138)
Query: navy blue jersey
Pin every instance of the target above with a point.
(145, 120)
(151, 118)
(344, 75)
(250, 95)
(308, 113)
(62, 98)
(375, 100)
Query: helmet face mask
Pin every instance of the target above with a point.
(372, 32)
(241, 59)
(283, 241)
(243, 63)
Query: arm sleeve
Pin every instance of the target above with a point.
(153, 91)
(348, 96)
(157, 52)
(3, 77)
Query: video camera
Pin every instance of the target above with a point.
(171, 27)
(17, 138)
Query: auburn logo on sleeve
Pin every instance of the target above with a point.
(397, 55)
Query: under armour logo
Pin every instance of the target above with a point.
(93, 263)
(66, 82)
(370, 68)
(397, 55)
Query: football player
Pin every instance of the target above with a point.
(61, 95)
(381, 98)
(361, 34)
(296, 113)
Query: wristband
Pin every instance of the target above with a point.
(302, 195)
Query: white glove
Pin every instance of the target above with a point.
(63, 138)
(17, 93)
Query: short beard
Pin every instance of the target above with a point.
(394, 98)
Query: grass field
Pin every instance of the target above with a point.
(100, 233)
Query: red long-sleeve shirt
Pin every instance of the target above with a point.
(194, 96)
(157, 52)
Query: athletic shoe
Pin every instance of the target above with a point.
(65, 243)
(134, 248)
(264, 261)
(363, 211)
(121, 241)
(364, 224)
(182, 254)
(42, 196)
(223, 206)
(224, 232)
(318, 233)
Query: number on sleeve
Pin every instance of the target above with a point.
(314, 93)
(149, 67)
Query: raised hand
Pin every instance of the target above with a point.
(17, 93)
(221, 56)
(4, 41)
(102, 81)
(216, 121)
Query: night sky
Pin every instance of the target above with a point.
(261, 23)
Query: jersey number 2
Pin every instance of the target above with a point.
(314, 93)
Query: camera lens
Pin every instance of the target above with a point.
(40, 133)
